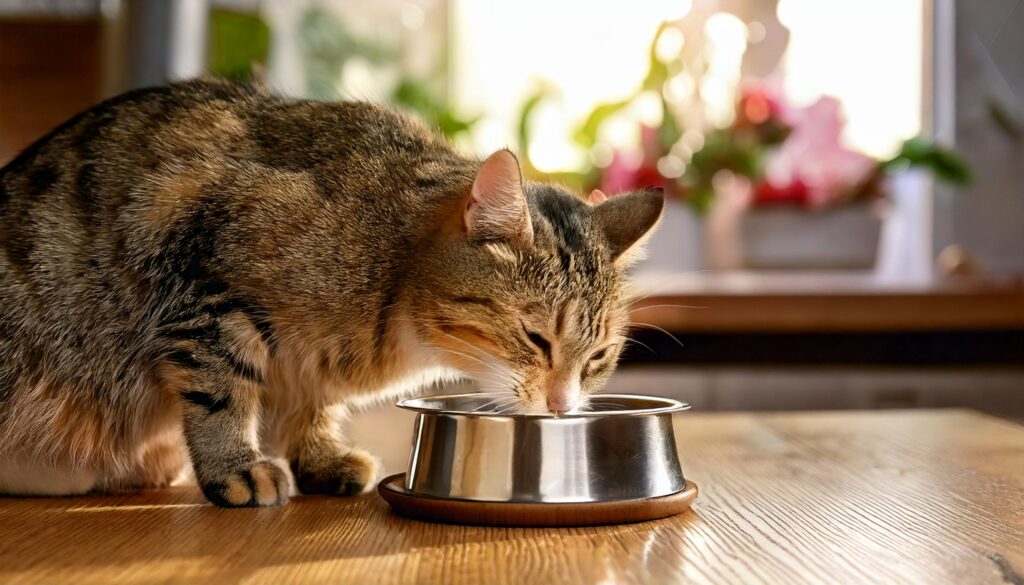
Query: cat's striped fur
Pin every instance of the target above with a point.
(207, 273)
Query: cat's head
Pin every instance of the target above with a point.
(526, 290)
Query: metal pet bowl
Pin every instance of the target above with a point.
(622, 448)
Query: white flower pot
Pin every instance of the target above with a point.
(677, 245)
(784, 237)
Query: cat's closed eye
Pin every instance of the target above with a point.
(538, 341)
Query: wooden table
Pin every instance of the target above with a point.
(883, 497)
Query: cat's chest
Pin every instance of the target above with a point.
(409, 365)
(398, 387)
(337, 373)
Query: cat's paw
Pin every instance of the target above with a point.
(341, 475)
(263, 483)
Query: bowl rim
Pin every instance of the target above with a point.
(670, 405)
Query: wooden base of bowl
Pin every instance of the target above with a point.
(451, 511)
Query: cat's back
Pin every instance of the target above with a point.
(75, 183)
(96, 154)
(98, 213)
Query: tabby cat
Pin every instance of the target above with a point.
(205, 276)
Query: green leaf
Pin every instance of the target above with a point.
(415, 95)
(586, 135)
(543, 92)
(657, 72)
(236, 42)
(326, 45)
(921, 152)
(669, 132)
(657, 75)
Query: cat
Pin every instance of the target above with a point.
(205, 278)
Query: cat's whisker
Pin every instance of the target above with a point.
(508, 377)
(497, 406)
(464, 342)
(478, 359)
(656, 328)
(508, 386)
(506, 381)
(504, 409)
(497, 386)
(495, 392)
(474, 358)
(669, 305)
(638, 342)
(490, 374)
(485, 405)
(610, 402)
(507, 374)
(662, 283)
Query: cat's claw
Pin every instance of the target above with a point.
(345, 475)
(264, 483)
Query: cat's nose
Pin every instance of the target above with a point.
(564, 398)
(560, 404)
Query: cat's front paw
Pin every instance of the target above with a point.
(341, 475)
(262, 483)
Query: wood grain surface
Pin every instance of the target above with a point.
(884, 497)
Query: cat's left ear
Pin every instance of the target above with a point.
(497, 208)
(627, 221)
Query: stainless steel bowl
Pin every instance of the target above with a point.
(622, 447)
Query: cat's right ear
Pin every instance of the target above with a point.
(496, 208)
(627, 222)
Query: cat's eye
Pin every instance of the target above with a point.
(538, 340)
(599, 355)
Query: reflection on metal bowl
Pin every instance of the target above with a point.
(622, 447)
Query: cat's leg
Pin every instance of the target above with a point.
(221, 416)
(323, 463)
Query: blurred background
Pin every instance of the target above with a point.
(846, 177)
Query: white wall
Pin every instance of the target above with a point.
(987, 218)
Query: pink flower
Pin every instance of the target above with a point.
(627, 173)
(634, 170)
(811, 162)
(760, 103)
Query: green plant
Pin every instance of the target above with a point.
(924, 153)
(327, 45)
(237, 42)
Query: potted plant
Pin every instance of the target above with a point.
(768, 186)
(818, 204)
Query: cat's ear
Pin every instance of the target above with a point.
(627, 220)
(496, 208)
